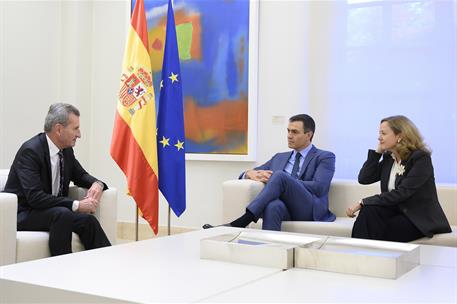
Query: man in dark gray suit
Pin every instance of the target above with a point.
(40, 177)
(296, 183)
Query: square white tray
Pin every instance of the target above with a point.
(254, 248)
(356, 256)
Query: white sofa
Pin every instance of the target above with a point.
(237, 194)
(21, 246)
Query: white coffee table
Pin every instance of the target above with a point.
(169, 269)
(166, 269)
(434, 281)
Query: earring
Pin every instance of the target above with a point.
(399, 140)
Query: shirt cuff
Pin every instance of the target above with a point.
(101, 184)
(75, 206)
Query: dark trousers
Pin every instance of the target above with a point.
(283, 198)
(61, 222)
(384, 223)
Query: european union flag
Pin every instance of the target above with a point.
(170, 123)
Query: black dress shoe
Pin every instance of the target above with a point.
(208, 226)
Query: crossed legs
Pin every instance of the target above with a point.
(283, 198)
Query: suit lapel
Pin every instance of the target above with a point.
(399, 177)
(47, 160)
(66, 169)
(307, 160)
(283, 161)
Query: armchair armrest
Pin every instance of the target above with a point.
(236, 195)
(8, 226)
(106, 212)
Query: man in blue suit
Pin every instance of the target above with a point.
(296, 183)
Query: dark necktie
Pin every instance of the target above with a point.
(296, 165)
(61, 170)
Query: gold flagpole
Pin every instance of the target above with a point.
(136, 225)
(169, 220)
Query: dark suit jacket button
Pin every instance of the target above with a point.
(405, 210)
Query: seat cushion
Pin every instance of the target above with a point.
(442, 239)
(342, 226)
(32, 245)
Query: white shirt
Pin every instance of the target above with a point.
(397, 169)
(55, 170)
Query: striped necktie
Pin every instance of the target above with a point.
(61, 171)
(296, 165)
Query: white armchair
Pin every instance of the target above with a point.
(21, 246)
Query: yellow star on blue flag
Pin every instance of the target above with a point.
(173, 77)
(165, 141)
(179, 145)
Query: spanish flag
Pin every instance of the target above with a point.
(134, 142)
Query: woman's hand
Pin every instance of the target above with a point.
(379, 149)
(353, 209)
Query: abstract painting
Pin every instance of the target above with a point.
(218, 75)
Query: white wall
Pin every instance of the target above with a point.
(72, 50)
(45, 50)
(30, 70)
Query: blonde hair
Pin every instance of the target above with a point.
(410, 137)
